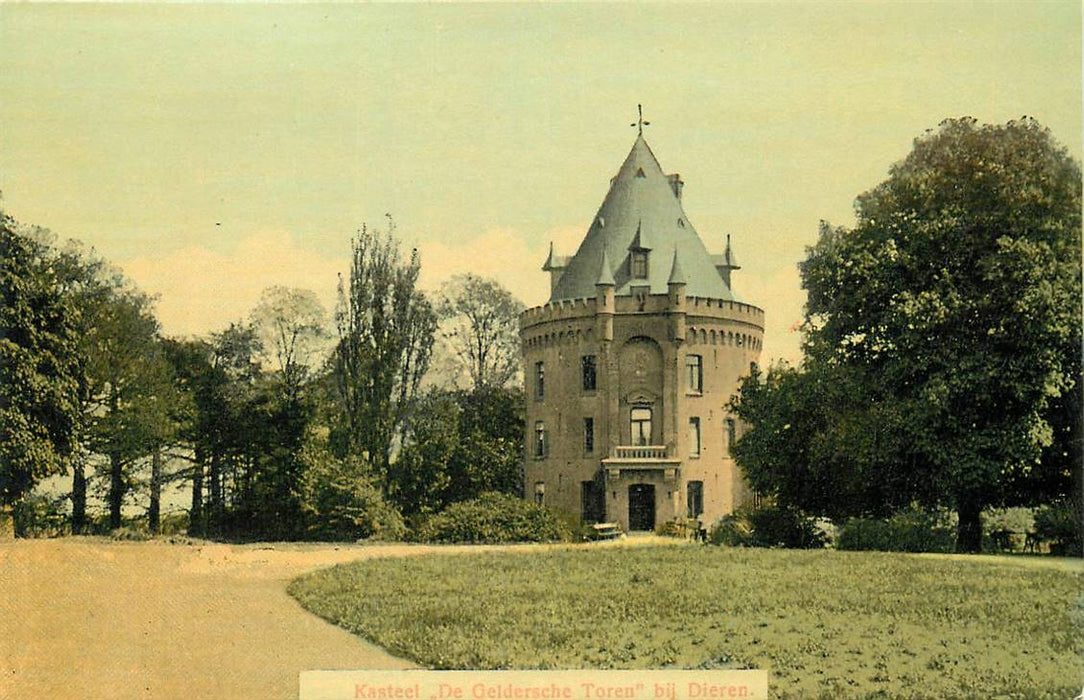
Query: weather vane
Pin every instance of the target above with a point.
(640, 123)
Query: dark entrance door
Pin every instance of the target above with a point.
(642, 507)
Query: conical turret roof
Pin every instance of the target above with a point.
(641, 206)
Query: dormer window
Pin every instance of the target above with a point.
(638, 265)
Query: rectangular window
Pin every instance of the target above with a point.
(539, 439)
(588, 434)
(590, 378)
(731, 432)
(641, 426)
(539, 380)
(694, 437)
(694, 373)
(638, 265)
(695, 498)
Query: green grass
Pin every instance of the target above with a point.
(824, 623)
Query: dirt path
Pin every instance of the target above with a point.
(93, 618)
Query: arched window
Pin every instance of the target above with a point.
(640, 420)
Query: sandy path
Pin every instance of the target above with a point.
(93, 618)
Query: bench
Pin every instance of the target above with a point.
(605, 531)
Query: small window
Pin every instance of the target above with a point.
(540, 492)
(731, 432)
(589, 372)
(640, 418)
(638, 265)
(695, 498)
(694, 373)
(539, 439)
(539, 380)
(694, 437)
(588, 434)
(640, 172)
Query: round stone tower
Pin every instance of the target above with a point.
(631, 364)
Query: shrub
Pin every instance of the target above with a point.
(911, 530)
(768, 526)
(1059, 524)
(131, 533)
(494, 518)
(1006, 529)
(37, 515)
(342, 502)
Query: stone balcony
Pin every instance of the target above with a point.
(639, 452)
(641, 458)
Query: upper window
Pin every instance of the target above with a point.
(638, 265)
(539, 380)
(640, 419)
(589, 372)
(588, 434)
(694, 437)
(539, 439)
(694, 373)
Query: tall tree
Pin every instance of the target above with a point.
(956, 302)
(291, 324)
(131, 390)
(41, 372)
(480, 325)
(385, 328)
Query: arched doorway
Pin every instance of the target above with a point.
(642, 507)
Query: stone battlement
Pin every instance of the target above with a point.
(696, 308)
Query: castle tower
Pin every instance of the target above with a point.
(632, 362)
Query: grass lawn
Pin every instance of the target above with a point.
(824, 623)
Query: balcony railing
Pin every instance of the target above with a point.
(639, 452)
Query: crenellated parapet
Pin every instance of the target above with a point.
(706, 321)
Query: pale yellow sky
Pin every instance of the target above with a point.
(212, 151)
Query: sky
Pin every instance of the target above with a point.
(212, 151)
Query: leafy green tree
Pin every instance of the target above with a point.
(459, 445)
(422, 478)
(385, 328)
(955, 306)
(823, 440)
(131, 393)
(41, 372)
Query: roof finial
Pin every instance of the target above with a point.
(640, 123)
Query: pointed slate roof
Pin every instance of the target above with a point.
(605, 272)
(677, 275)
(644, 203)
(640, 241)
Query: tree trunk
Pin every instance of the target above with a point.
(79, 498)
(969, 527)
(195, 514)
(216, 493)
(116, 490)
(154, 511)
